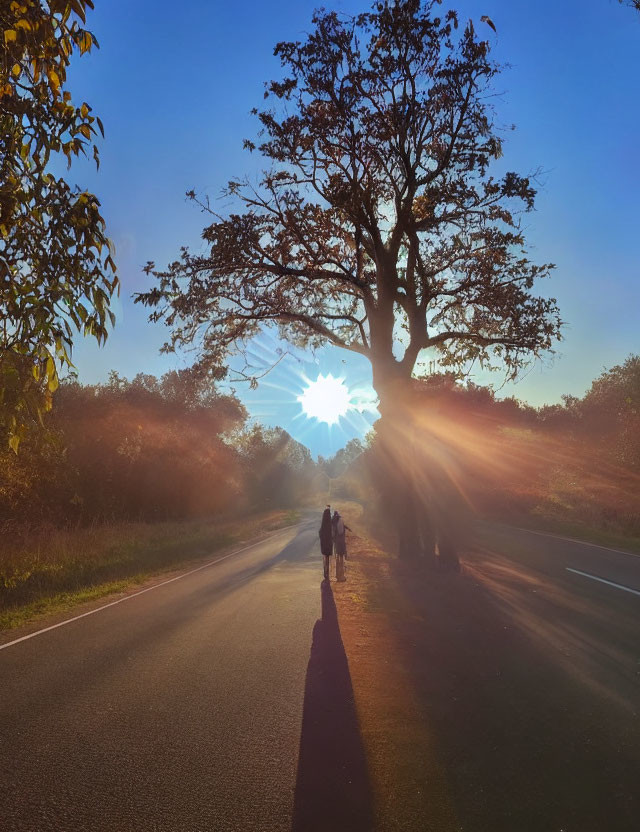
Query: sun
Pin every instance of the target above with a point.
(326, 399)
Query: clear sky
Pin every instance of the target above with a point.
(174, 83)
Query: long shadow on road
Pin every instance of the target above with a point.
(332, 785)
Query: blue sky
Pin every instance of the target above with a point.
(174, 84)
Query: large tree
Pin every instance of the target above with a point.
(56, 270)
(377, 227)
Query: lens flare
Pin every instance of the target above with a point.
(325, 399)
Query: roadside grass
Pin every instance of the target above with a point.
(551, 483)
(62, 602)
(45, 570)
(541, 522)
(408, 783)
(525, 477)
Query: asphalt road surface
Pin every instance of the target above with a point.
(179, 709)
(578, 601)
(528, 667)
(222, 700)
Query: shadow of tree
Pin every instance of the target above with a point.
(525, 743)
(332, 786)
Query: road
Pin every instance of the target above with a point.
(179, 709)
(577, 600)
(528, 670)
(222, 700)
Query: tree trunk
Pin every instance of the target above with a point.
(416, 493)
(398, 475)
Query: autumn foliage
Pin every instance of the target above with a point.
(149, 449)
(575, 463)
(57, 273)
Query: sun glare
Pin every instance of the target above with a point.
(326, 399)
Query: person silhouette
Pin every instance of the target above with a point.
(340, 544)
(326, 540)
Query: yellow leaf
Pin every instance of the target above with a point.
(14, 443)
(84, 111)
(85, 42)
(16, 69)
(23, 24)
(52, 375)
(9, 35)
(54, 79)
(85, 130)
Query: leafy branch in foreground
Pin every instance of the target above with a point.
(57, 274)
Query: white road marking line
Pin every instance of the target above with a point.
(142, 591)
(575, 540)
(603, 580)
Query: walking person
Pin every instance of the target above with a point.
(340, 543)
(326, 540)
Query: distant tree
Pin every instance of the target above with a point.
(616, 392)
(278, 469)
(340, 461)
(56, 271)
(126, 450)
(611, 410)
(137, 450)
(378, 227)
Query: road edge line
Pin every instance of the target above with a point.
(148, 589)
(603, 580)
(572, 540)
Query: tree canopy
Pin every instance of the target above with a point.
(57, 274)
(377, 226)
(149, 449)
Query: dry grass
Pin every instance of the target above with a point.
(41, 564)
(407, 780)
(561, 485)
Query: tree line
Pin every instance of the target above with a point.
(475, 454)
(607, 416)
(149, 449)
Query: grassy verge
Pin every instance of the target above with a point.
(43, 571)
(542, 522)
(407, 781)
